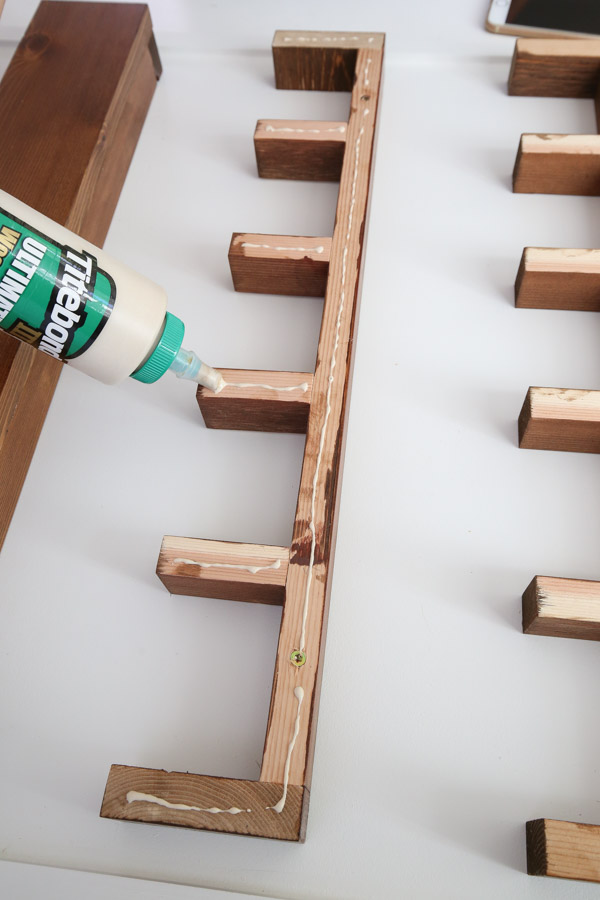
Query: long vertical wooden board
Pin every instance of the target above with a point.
(311, 61)
(304, 619)
(72, 104)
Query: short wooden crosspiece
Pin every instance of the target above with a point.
(314, 403)
(555, 418)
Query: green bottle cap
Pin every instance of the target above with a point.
(164, 353)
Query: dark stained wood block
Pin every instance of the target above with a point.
(555, 68)
(279, 264)
(550, 278)
(563, 849)
(562, 607)
(300, 150)
(258, 401)
(560, 419)
(558, 164)
(72, 104)
(254, 573)
(320, 60)
(187, 801)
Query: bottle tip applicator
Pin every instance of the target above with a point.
(169, 356)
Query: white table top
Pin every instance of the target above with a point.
(442, 727)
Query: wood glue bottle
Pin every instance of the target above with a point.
(71, 300)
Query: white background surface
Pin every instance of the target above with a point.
(442, 728)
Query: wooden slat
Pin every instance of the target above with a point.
(555, 68)
(562, 607)
(300, 150)
(279, 264)
(67, 143)
(254, 573)
(304, 620)
(551, 278)
(563, 849)
(254, 799)
(302, 59)
(320, 60)
(560, 419)
(255, 400)
(558, 164)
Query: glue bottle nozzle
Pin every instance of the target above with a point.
(187, 365)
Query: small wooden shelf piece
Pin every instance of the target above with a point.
(205, 792)
(317, 404)
(255, 573)
(322, 60)
(300, 150)
(562, 607)
(255, 400)
(560, 419)
(555, 68)
(279, 264)
(558, 164)
(552, 278)
(563, 849)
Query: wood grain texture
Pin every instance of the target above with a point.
(555, 68)
(558, 164)
(320, 60)
(299, 150)
(219, 576)
(291, 729)
(313, 542)
(279, 264)
(257, 408)
(563, 849)
(67, 143)
(552, 278)
(560, 419)
(206, 792)
(562, 607)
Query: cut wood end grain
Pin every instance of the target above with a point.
(204, 793)
(225, 570)
(562, 607)
(563, 849)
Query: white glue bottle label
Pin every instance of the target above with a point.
(71, 300)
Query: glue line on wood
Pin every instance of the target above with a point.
(311, 524)
(139, 797)
(278, 808)
(339, 128)
(204, 565)
(318, 249)
(267, 387)
(326, 39)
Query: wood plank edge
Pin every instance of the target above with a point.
(259, 821)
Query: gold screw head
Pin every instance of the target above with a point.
(298, 657)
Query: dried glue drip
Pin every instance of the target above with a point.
(138, 797)
(205, 565)
(284, 249)
(299, 695)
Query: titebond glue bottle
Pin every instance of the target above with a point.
(71, 300)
